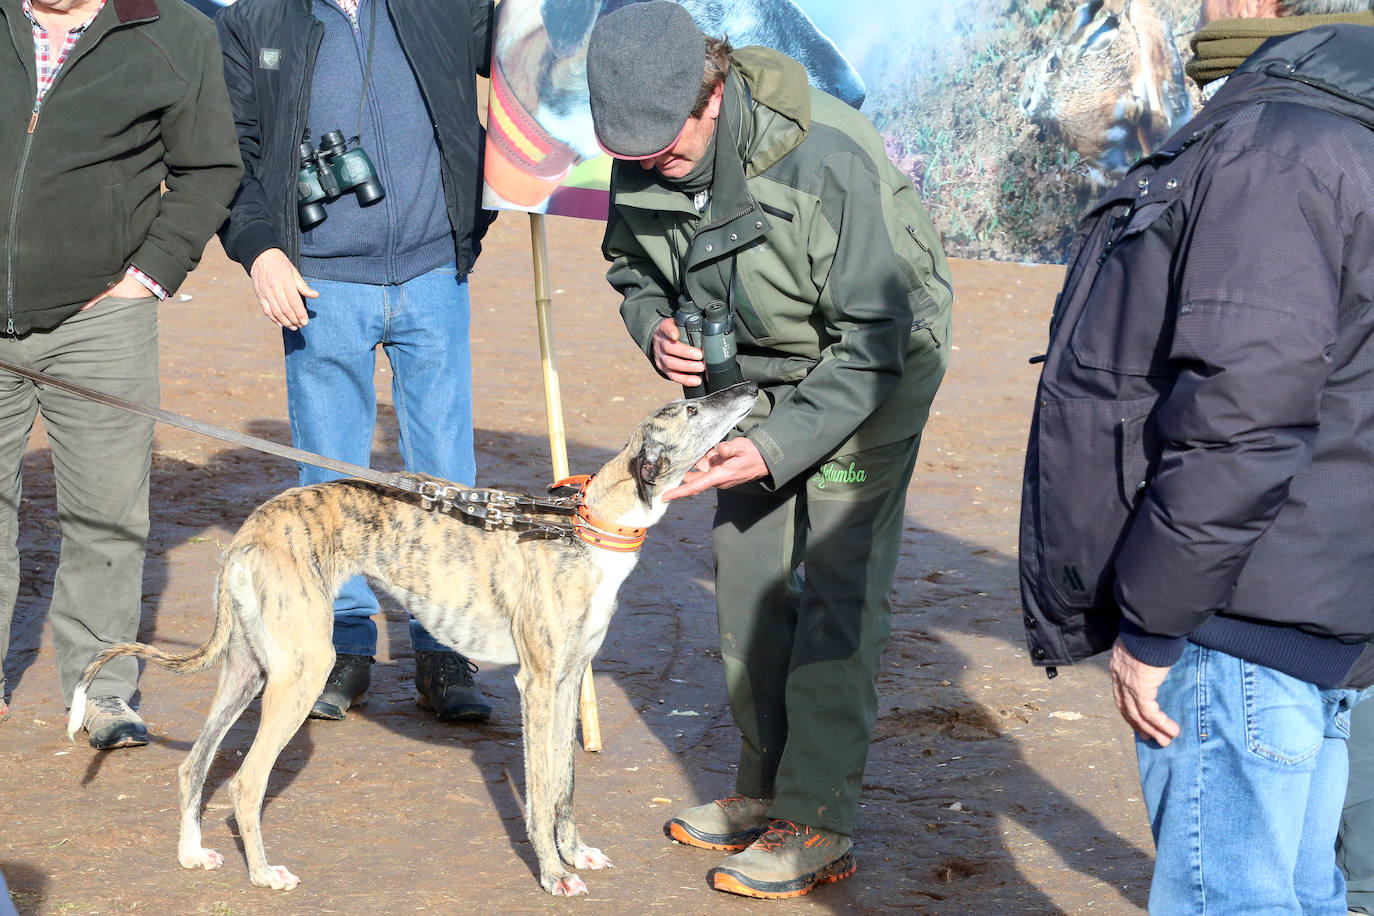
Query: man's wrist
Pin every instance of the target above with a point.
(148, 282)
(1149, 648)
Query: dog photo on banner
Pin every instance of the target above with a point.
(1009, 115)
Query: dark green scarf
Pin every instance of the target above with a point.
(1222, 46)
(701, 175)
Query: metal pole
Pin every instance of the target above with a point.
(558, 442)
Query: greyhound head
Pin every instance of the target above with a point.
(662, 449)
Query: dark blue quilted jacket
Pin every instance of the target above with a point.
(1201, 459)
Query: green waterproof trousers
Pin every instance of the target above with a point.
(803, 582)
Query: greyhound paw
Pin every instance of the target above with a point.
(591, 857)
(201, 858)
(275, 877)
(568, 886)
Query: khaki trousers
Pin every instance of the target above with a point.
(101, 458)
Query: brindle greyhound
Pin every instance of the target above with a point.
(542, 604)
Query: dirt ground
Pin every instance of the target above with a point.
(989, 788)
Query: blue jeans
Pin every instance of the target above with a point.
(1245, 802)
(422, 325)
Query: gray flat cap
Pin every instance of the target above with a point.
(644, 69)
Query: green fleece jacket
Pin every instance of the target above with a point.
(139, 101)
(838, 275)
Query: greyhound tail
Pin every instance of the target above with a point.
(198, 660)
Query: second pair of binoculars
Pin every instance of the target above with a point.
(712, 331)
(328, 173)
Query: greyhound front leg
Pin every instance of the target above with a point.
(570, 845)
(538, 708)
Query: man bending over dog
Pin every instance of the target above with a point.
(771, 204)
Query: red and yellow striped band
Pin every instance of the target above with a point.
(523, 163)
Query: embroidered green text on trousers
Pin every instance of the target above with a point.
(833, 473)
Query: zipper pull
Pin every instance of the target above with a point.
(9, 329)
(33, 118)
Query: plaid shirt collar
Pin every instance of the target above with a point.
(350, 8)
(48, 59)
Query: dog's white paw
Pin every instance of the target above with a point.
(568, 886)
(275, 877)
(201, 858)
(591, 857)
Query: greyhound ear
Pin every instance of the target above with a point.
(646, 466)
(568, 23)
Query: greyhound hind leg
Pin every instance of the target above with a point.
(298, 661)
(239, 681)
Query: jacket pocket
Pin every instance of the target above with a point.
(930, 291)
(1137, 456)
(753, 320)
(1092, 457)
(113, 258)
(775, 370)
(1127, 323)
(916, 242)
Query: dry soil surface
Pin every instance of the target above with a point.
(989, 788)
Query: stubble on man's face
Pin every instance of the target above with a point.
(79, 9)
(1212, 10)
(691, 145)
(683, 156)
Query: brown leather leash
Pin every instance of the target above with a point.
(491, 509)
(386, 479)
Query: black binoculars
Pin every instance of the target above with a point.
(711, 330)
(329, 172)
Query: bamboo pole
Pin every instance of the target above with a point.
(558, 442)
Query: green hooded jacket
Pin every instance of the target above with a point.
(839, 280)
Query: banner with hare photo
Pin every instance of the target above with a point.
(1011, 116)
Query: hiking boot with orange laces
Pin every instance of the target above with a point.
(787, 861)
(726, 823)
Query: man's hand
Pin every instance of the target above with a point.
(127, 288)
(1135, 685)
(728, 464)
(677, 360)
(279, 288)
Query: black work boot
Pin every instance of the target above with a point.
(347, 684)
(445, 685)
